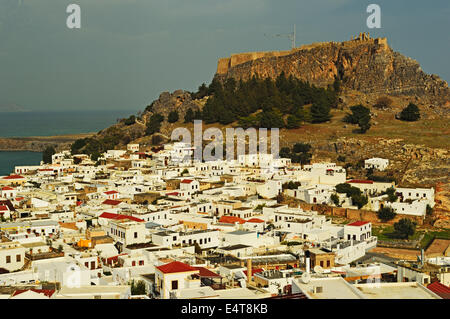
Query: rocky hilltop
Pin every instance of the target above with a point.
(363, 64)
(179, 101)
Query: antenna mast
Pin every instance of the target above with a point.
(293, 39)
(291, 36)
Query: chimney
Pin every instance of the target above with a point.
(249, 270)
(307, 261)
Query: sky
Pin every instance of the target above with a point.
(129, 51)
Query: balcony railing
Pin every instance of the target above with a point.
(39, 256)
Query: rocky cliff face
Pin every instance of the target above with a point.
(369, 66)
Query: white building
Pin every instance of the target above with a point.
(12, 256)
(204, 238)
(127, 232)
(133, 148)
(376, 163)
(358, 231)
(423, 194)
(8, 192)
(174, 277)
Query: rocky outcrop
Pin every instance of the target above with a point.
(369, 66)
(179, 101)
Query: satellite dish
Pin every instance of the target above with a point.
(305, 278)
(318, 269)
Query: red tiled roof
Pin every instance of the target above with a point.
(13, 177)
(119, 217)
(79, 203)
(358, 223)
(46, 292)
(4, 207)
(254, 271)
(360, 181)
(111, 192)
(114, 258)
(172, 194)
(175, 267)
(6, 188)
(231, 220)
(187, 181)
(46, 170)
(255, 220)
(111, 202)
(204, 272)
(439, 289)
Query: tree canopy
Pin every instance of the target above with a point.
(47, 154)
(154, 124)
(238, 101)
(359, 115)
(173, 117)
(410, 113)
(386, 214)
(300, 153)
(138, 288)
(405, 228)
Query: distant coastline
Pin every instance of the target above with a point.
(34, 131)
(38, 143)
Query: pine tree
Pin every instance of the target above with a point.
(410, 113)
(189, 116)
(320, 112)
(47, 154)
(173, 117)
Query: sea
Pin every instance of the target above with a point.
(25, 124)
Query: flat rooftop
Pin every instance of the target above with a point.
(396, 290)
(233, 247)
(331, 288)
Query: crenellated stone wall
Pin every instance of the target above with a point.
(363, 64)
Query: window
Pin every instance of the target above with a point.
(174, 284)
(18, 258)
(135, 234)
(141, 263)
(133, 263)
(328, 263)
(321, 263)
(8, 259)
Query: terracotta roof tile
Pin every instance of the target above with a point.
(175, 267)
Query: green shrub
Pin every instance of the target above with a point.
(410, 113)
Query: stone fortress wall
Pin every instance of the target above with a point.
(225, 64)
